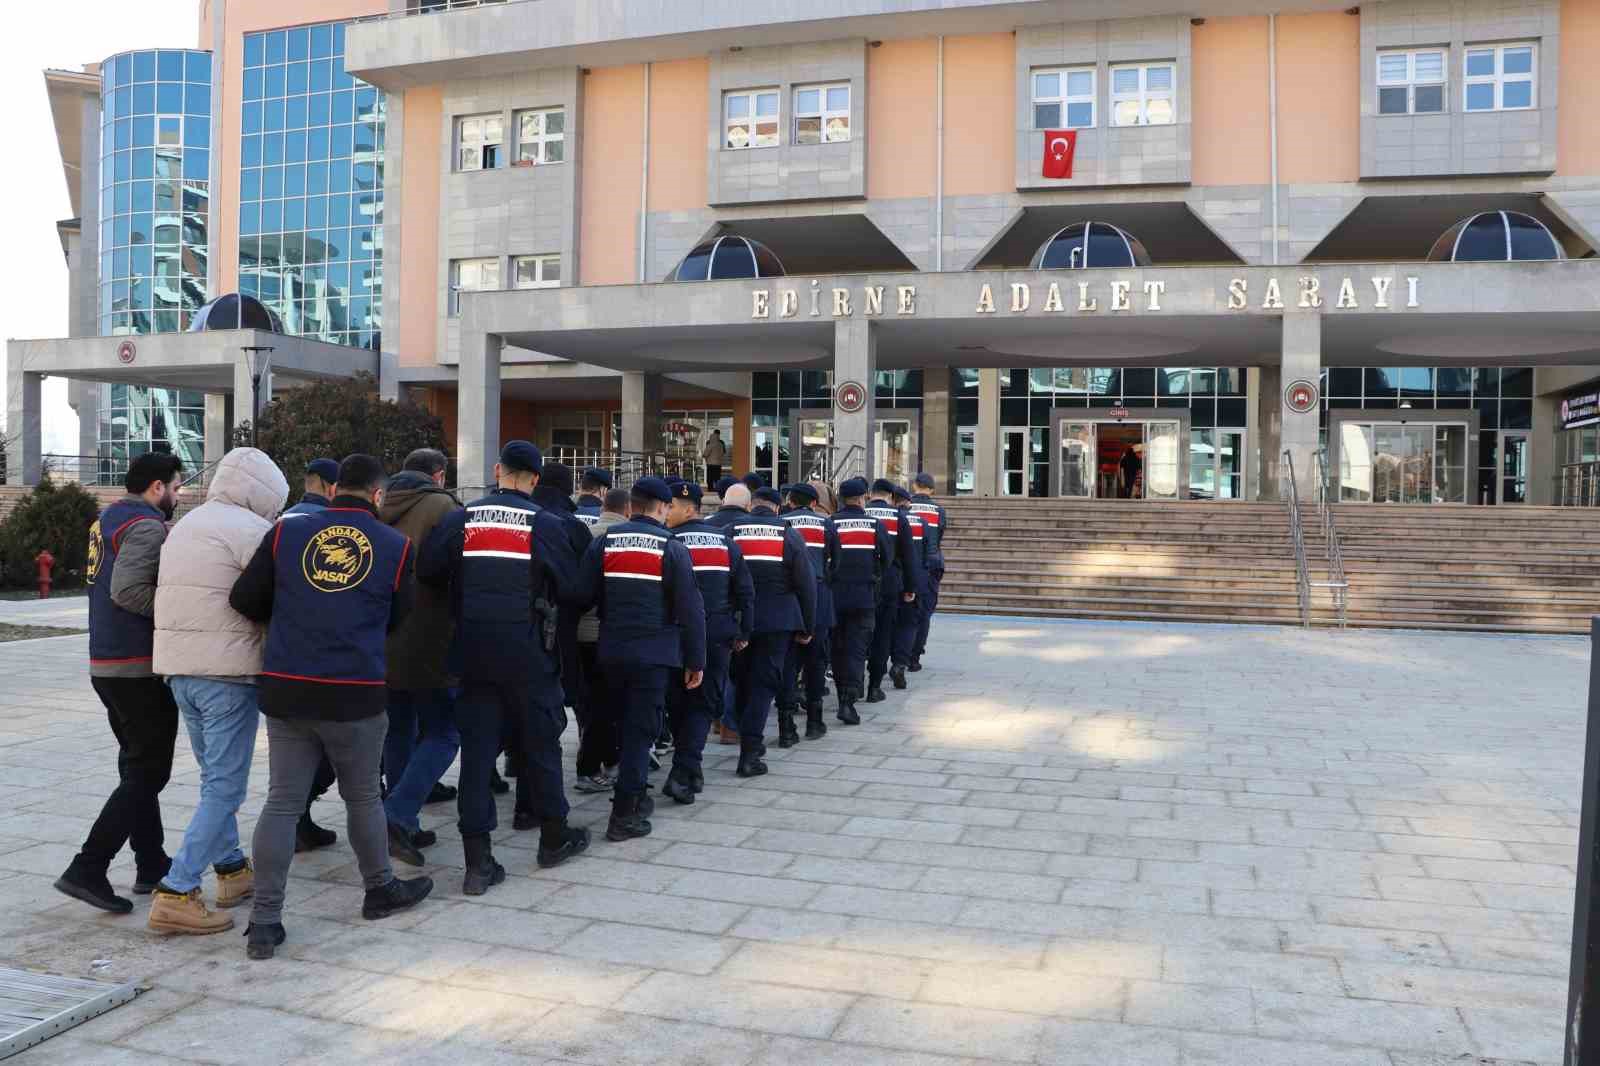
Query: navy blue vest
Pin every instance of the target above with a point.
(864, 555)
(894, 576)
(645, 571)
(335, 577)
(725, 517)
(501, 634)
(915, 578)
(588, 514)
(770, 549)
(821, 545)
(116, 635)
(310, 503)
(718, 567)
(932, 516)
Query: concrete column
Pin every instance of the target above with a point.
(478, 414)
(218, 431)
(1302, 361)
(939, 426)
(24, 430)
(1268, 395)
(855, 360)
(641, 412)
(242, 396)
(986, 451)
(84, 398)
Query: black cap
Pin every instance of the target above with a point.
(802, 490)
(652, 488)
(557, 476)
(924, 480)
(521, 456)
(724, 484)
(885, 486)
(767, 495)
(899, 492)
(596, 476)
(326, 469)
(853, 487)
(753, 481)
(687, 490)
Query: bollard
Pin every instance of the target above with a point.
(1581, 1048)
(46, 563)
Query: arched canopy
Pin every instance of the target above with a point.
(1496, 237)
(1090, 244)
(235, 310)
(728, 256)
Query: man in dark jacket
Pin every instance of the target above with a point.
(866, 554)
(805, 665)
(554, 495)
(897, 587)
(909, 616)
(652, 625)
(321, 475)
(415, 502)
(936, 521)
(124, 557)
(592, 495)
(330, 587)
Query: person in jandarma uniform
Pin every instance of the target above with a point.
(805, 665)
(897, 588)
(866, 555)
(937, 523)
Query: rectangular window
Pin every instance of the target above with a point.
(821, 114)
(751, 119)
(472, 275)
(541, 136)
(478, 141)
(1411, 82)
(1501, 78)
(1141, 95)
(538, 271)
(1063, 99)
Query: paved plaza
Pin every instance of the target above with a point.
(1068, 843)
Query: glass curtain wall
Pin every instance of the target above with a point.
(155, 189)
(135, 419)
(311, 186)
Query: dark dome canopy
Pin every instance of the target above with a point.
(1090, 244)
(235, 310)
(729, 256)
(1496, 237)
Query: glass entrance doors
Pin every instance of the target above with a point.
(894, 452)
(1397, 462)
(1136, 460)
(1514, 464)
(816, 447)
(1014, 461)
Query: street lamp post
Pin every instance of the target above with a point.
(258, 360)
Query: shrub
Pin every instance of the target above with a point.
(53, 517)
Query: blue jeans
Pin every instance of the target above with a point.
(434, 712)
(221, 718)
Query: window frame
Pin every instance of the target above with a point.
(480, 143)
(456, 290)
(1144, 95)
(540, 262)
(1499, 78)
(1065, 100)
(1411, 83)
(542, 140)
(753, 117)
(822, 114)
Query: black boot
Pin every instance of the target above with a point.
(678, 787)
(697, 781)
(95, 890)
(424, 838)
(847, 712)
(441, 793)
(263, 940)
(788, 735)
(147, 876)
(875, 690)
(309, 836)
(897, 674)
(815, 727)
(522, 821)
(482, 871)
(394, 897)
(750, 764)
(627, 822)
(915, 666)
(497, 784)
(402, 847)
(559, 841)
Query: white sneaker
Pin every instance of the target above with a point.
(596, 783)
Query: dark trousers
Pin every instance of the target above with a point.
(693, 710)
(531, 708)
(760, 676)
(852, 637)
(598, 716)
(805, 672)
(144, 719)
(713, 475)
(882, 646)
(930, 603)
(907, 620)
(642, 693)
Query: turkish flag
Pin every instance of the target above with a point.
(1059, 145)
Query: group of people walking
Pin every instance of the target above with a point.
(380, 628)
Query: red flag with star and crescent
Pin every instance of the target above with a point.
(1059, 146)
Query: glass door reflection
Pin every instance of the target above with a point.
(1078, 460)
(1161, 460)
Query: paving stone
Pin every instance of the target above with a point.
(1341, 1020)
(1215, 1010)
(984, 1034)
(1087, 1043)
(1251, 969)
(742, 1004)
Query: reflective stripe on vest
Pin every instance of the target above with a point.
(708, 550)
(498, 533)
(634, 555)
(760, 545)
(888, 517)
(857, 533)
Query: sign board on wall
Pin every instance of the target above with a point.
(1580, 409)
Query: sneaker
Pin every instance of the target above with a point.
(262, 940)
(663, 745)
(236, 885)
(95, 891)
(594, 783)
(394, 897)
(185, 913)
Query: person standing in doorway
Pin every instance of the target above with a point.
(1128, 469)
(124, 560)
(210, 655)
(715, 453)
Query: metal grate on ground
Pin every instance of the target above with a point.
(37, 1006)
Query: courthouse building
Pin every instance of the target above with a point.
(1010, 243)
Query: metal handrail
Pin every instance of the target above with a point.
(833, 468)
(1298, 537)
(1337, 582)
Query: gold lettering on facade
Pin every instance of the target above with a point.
(1381, 287)
(1152, 294)
(1310, 292)
(873, 299)
(1347, 294)
(986, 301)
(761, 303)
(1238, 294)
(1021, 296)
(1052, 298)
(907, 304)
(1273, 299)
(1119, 296)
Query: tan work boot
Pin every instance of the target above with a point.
(233, 889)
(172, 912)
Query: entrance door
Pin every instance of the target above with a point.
(816, 437)
(1514, 463)
(966, 461)
(810, 435)
(1014, 461)
(895, 451)
(1078, 460)
(1161, 466)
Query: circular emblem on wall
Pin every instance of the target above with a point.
(1566, 410)
(126, 352)
(1301, 397)
(850, 397)
(337, 559)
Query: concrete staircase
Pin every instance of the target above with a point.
(1515, 569)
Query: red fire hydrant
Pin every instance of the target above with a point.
(46, 563)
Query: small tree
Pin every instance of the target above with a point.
(335, 419)
(52, 517)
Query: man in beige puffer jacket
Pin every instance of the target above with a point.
(210, 655)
